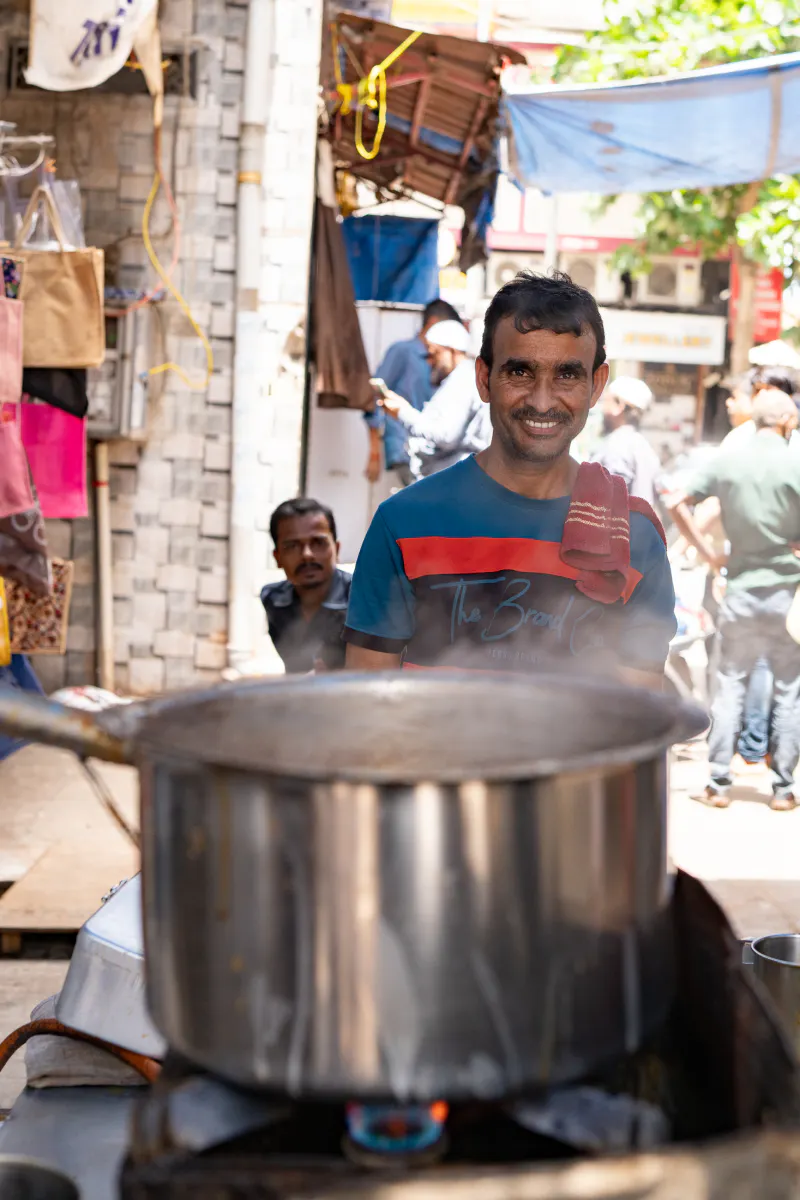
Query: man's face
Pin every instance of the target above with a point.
(540, 389)
(442, 362)
(613, 410)
(306, 551)
(740, 407)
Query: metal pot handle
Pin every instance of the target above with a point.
(37, 720)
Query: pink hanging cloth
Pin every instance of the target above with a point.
(55, 443)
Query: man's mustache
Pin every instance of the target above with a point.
(306, 566)
(526, 413)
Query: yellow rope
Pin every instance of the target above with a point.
(370, 93)
(169, 285)
(366, 99)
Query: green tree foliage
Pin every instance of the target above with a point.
(659, 37)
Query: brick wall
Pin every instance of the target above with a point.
(170, 497)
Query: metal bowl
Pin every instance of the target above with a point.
(26, 1179)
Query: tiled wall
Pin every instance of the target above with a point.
(170, 496)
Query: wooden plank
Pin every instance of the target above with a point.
(66, 885)
(46, 797)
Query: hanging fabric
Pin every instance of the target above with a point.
(55, 445)
(62, 292)
(63, 389)
(10, 351)
(23, 548)
(80, 45)
(16, 494)
(342, 379)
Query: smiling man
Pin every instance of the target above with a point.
(465, 569)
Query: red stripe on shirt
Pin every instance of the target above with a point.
(472, 556)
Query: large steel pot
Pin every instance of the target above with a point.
(422, 886)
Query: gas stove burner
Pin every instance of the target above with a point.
(393, 1136)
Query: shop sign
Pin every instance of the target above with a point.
(436, 14)
(768, 305)
(664, 337)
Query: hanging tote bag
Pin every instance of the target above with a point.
(38, 624)
(62, 295)
(10, 351)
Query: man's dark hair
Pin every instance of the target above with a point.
(440, 310)
(745, 382)
(552, 302)
(303, 506)
(776, 377)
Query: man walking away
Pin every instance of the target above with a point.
(455, 423)
(624, 450)
(404, 369)
(753, 744)
(306, 611)
(757, 483)
(742, 398)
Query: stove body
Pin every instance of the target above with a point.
(719, 1065)
(104, 991)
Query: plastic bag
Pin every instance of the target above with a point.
(67, 195)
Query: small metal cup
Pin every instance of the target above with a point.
(26, 1179)
(776, 961)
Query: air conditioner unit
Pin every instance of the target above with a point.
(118, 389)
(594, 272)
(504, 265)
(672, 283)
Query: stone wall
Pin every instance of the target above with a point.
(170, 496)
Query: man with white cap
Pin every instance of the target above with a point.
(455, 422)
(624, 450)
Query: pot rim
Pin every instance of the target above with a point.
(142, 724)
(779, 962)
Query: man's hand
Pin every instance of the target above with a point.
(373, 471)
(681, 514)
(393, 404)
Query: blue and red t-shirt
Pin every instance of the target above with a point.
(458, 571)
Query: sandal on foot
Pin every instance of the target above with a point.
(713, 799)
(782, 803)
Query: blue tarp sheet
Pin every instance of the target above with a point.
(709, 128)
(393, 259)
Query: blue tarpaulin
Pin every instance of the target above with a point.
(709, 128)
(393, 259)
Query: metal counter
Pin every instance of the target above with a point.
(81, 1131)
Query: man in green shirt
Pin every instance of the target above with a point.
(757, 483)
